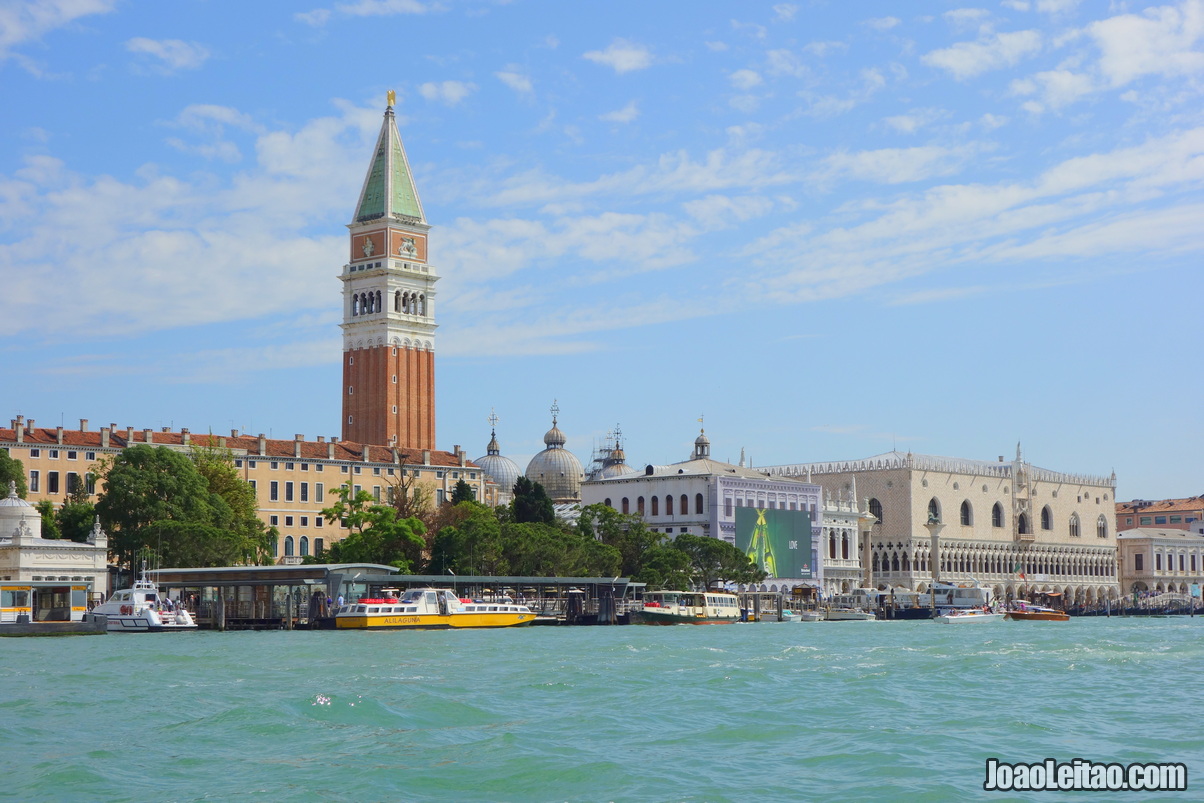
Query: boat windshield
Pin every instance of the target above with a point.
(413, 595)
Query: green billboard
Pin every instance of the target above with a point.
(779, 541)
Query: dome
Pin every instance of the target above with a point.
(502, 470)
(18, 516)
(554, 437)
(702, 446)
(559, 472)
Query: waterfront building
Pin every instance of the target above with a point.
(389, 307)
(1172, 514)
(61, 573)
(556, 468)
(839, 548)
(1160, 559)
(293, 479)
(701, 496)
(1009, 525)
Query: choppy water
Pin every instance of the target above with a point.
(758, 712)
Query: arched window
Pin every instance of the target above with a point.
(934, 510)
(626, 505)
(844, 544)
(606, 502)
(1046, 518)
(405, 303)
(698, 504)
(685, 505)
(355, 305)
(1101, 526)
(894, 563)
(304, 545)
(668, 505)
(997, 515)
(876, 510)
(656, 506)
(378, 306)
(832, 545)
(288, 546)
(875, 562)
(967, 514)
(639, 505)
(422, 305)
(1024, 526)
(397, 301)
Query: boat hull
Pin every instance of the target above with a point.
(433, 621)
(966, 617)
(849, 616)
(1038, 616)
(665, 618)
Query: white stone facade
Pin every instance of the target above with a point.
(1160, 560)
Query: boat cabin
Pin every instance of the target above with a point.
(44, 601)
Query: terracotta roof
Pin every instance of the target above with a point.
(1187, 505)
(345, 451)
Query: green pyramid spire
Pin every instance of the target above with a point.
(389, 190)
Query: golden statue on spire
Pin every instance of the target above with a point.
(392, 96)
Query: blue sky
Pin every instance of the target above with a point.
(830, 228)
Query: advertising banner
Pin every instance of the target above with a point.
(779, 541)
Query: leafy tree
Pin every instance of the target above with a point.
(240, 512)
(145, 488)
(11, 470)
(463, 493)
(713, 560)
(50, 525)
(665, 567)
(378, 534)
(473, 545)
(75, 520)
(628, 534)
(531, 503)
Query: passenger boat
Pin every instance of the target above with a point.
(1029, 612)
(142, 609)
(689, 608)
(429, 609)
(842, 614)
(811, 616)
(959, 615)
(852, 607)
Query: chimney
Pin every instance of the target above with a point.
(59, 434)
(129, 435)
(263, 445)
(149, 435)
(221, 442)
(426, 457)
(234, 433)
(104, 437)
(167, 429)
(185, 436)
(297, 440)
(321, 439)
(112, 427)
(330, 450)
(463, 458)
(20, 428)
(83, 425)
(366, 449)
(396, 455)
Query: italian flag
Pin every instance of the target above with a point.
(1020, 571)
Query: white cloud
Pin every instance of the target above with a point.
(962, 19)
(316, 18)
(1056, 6)
(722, 211)
(897, 165)
(745, 79)
(622, 56)
(822, 49)
(785, 12)
(384, 8)
(914, 120)
(22, 22)
(1057, 88)
(717, 47)
(784, 62)
(1016, 5)
(883, 23)
(447, 92)
(516, 80)
(1164, 41)
(624, 115)
(172, 54)
(968, 59)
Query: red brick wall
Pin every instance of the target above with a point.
(370, 406)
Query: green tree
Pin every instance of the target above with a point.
(472, 545)
(378, 534)
(145, 487)
(240, 513)
(50, 524)
(11, 470)
(713, 560)
(463, 493)
(628, 534)
(665, 567)
(77, 514)
(531, 503)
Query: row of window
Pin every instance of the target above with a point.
(376, 470)
(683, 507)
(290, 547)
(288, 466)
(406, 303)
(288, 521)
(993, 564)
(53, 486)
(1024, 526)
(53, 454)
(1139, 562)
(1162, 520)
(771, 505)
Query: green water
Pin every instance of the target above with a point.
(752, 712)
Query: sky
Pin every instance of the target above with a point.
(827, 229)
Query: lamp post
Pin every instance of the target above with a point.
(934, 527)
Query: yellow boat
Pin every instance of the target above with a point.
(429, 609)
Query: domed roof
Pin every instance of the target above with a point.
(14, 501)
(502, 470)
(559, 472)
(554, 437)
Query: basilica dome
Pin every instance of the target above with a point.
(557, 469)
(501, 469)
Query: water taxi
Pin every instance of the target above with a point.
(142, 609)
(856, 606)
(1030, 612)
(429, 609)
(689, 608)
(960, 615)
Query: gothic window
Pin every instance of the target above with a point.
(685, 505)
(355, 305)
(844, 546)
(1074, 525)
(639, 505)
(1101, 527)
(875, 563)
(626, 505)
(934, 510)
(656, 505)
(1046, 518)
(422, 305)
(397, 301)
(698, 504)
(997, 515)
(906, 563)
(894, 563)
(668, 505)
(967, 514)
(832, 545)
(876, 510)
(378, 306)
(1024, 527)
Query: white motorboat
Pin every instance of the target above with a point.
(969, 615)
(848, 615)
(811, 616)
(142, 609)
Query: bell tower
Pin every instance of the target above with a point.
(389, 307)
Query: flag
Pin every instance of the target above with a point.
(1020, 571)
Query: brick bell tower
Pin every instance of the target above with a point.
(389, 307)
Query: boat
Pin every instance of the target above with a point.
(843, 614)
(429, 609)
(854, 606)
(901, 603)
(47, 608)
(689, 608)
(811, 616)
(1030, 612)
(959, 615)
(142, 609)
(788, 615)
